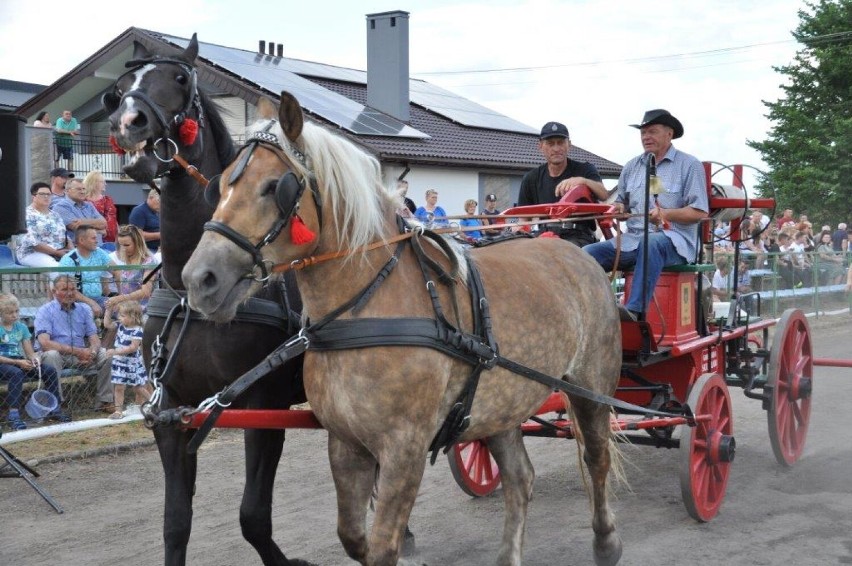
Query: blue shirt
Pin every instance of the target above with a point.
(475, 234)
(71, 211)
(146, 220)
(10, 340)
(91, 279)
(684, 184)
(70, 327)
(423, 216)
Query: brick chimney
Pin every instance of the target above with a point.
(387, 63)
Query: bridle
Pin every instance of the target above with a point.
(113, 100)
(288, 194)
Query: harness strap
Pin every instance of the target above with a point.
(273, 361)
(424, 332)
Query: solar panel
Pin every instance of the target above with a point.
(462, 110)
(269, 73)
(275, 73)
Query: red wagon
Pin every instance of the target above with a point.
(682, 357)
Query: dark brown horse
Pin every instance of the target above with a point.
(550, 304)
(153, 109)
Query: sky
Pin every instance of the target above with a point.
(594, 65)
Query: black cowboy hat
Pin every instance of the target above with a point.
(664, 117)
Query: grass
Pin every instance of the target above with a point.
(69, 443)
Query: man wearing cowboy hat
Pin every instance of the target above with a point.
(673, 216)
(548, 182)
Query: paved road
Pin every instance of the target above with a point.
(770, 515)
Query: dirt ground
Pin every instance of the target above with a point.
(771, 515)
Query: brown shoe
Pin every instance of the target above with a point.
(106, 407)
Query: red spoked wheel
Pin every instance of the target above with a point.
(707, 450)
(473, 468)
(789, 384)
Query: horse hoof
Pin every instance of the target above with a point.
(409, 548)
(608, 550)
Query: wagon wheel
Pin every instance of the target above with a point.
(707, 450)
(789, 384)
(473, 468)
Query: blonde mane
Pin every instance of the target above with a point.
(350, 182)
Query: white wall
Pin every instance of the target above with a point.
(454, 186)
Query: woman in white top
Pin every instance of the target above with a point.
(42, 120)
(45, 241)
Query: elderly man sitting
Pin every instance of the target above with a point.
(66, 334)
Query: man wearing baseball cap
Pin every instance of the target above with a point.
(548, 182)
(672, 219)
(58, 178)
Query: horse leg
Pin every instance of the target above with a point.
(594, 423)
(517, 475)
(400, 473)
(354, 472)
(263, 451)
(179, 469)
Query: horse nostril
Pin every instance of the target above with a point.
(140, 121)
(209, 280)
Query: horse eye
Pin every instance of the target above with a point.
(270, 187)
(181, 79)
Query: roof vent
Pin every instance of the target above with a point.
(387, 63)
(261, 47)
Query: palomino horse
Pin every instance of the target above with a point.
(550, 309)
(154, 108)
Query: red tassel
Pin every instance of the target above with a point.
(115, 147)
(299, 232)
(188, 131)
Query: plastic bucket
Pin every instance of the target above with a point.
(41, 404)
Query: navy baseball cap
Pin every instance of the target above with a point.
(553, 130)
(61, 172)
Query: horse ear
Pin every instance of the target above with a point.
(191, 51)
(140, 51)
(290, 116)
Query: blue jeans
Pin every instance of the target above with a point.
(16, 376)
(661, 253)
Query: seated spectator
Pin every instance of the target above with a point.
(92, 285)
(491, 210)
(428, 212)
(96, 194)
(470, 210)
(18, 362)
(783, 261)
(45, 241)
(67, 337)
(146, 217)
(76, 211)
(830, 261)
(58, 178)
(722, 279)
(131, 250)
(402, 190)
(839, 239)
(801, 261)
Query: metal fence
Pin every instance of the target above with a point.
(78, 383)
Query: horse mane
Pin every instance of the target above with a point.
(225, 150)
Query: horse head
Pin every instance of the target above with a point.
(267, 194)
(155, 110)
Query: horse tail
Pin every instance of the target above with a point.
(617, 458)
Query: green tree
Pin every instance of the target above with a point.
(809, 149)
